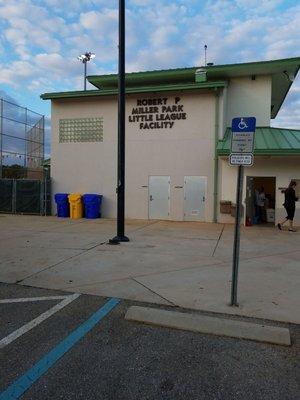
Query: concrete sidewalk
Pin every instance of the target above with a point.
(186, 264)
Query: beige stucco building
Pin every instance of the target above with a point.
(177, 140)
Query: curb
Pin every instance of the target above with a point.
(210, 325)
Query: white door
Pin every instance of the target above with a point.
(194, 198)
(159, 197)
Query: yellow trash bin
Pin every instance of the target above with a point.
(76, 208)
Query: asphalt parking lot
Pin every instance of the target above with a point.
(66, 356)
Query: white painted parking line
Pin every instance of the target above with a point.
(30, 325)
(32, 299)
(23, 383)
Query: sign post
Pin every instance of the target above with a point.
(242, 145)
(237, 236)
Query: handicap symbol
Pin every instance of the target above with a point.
(242, 124)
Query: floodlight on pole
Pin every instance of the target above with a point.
(84, 58)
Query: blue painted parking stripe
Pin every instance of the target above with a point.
(17, 388)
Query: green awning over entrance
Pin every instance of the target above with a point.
(268, 142)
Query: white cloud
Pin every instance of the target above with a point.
(289, 115)
(6, 96)
(21, 9)
(166, 58)
(100, 22)
(56, 63)
(259, 6)
(141, 2)
(161, 34)
(14, 73)
(15, 36)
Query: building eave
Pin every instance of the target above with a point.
(135, 90)
(279, 70)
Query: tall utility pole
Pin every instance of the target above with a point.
(84, 58)
(121, 131)
(1, 139)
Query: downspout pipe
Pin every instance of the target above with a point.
(216, 160)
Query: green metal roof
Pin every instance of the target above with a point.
(184, 79)
(133, 90)
(268, 141)
(178, 75)
(214, 72)
(279, 70)
(255, 68)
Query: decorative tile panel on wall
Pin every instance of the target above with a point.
(80, 130)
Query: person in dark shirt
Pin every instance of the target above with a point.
(290, 206)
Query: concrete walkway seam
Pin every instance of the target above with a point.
(210, 325)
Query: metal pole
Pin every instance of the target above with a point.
(237, 235)
(42, 163)
(43, 138)
(28, 146)
(84, 63)
(216, 159)
(1, 140)
(121, 131)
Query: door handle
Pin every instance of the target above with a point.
(203, 198)
(151, 198)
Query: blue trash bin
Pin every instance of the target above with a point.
(92, 205)
(62, 205)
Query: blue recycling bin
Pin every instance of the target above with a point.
(92, 205)
(62, 205)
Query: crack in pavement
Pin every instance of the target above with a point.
(152, 291)
(74, 256)
(218, 241)
(59, 262)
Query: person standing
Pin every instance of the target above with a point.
(289, 205)
(260, 199)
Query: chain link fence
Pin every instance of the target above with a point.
(24, 196)
(24, 179)
(22, 137)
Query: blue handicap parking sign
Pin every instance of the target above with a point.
(243, 124)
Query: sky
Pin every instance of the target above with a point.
(41, 39)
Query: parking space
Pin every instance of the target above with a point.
(70, 355)
(21, 354)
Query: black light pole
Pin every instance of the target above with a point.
(121, 131)
(84, 58)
